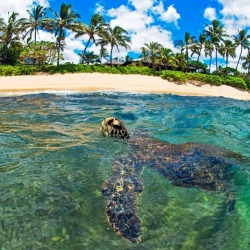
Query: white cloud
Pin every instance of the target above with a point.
(235, 15)
(170, 15)
(72, 44)
(99, 9)
(210, 14)
(142, 23)
(138, 21)
(150, 34)
(19, 6)
(140, 5)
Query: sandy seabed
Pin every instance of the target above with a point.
(86, 82)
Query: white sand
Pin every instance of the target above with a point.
(85, 82)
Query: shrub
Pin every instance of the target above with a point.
(196, 77)
(247, 83)
(7, 70)
(213, 80)
(235, 82)
(176, 76)
(25, 70)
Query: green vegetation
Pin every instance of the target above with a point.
(217, 80)
(8, 70)
(176, 76)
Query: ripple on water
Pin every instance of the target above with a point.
(54, 162)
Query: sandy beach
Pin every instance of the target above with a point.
(85, 82)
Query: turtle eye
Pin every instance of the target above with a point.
(110, 121)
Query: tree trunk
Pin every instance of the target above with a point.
(58, 52)
(198, 57)
(5, 53)
(83, 55)
(210, 64)
(110, 58)
(35, 50)
(35, 36)
(239, 57)
(186, 54)
(59, 45)
(216, 59)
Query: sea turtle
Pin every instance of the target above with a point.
(206, 167)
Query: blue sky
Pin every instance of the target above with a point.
(147, 20)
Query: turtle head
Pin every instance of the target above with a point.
(114, 127)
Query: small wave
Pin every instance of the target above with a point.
(22, 93)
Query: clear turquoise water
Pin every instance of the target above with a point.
(54, 162)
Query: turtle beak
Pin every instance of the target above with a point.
(106, 126)
(105, 131)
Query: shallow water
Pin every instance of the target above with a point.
(54, 162)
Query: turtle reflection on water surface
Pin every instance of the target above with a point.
(206, 167)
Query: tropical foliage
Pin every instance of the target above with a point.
(215, 33)
(34, 22)
(39, 53)
(246, 62)
(151, 53)
(65, 19)
(186, 45)
(96, 28)
(10, 32)
(242, 40)
(115, 37)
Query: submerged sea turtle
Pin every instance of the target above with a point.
(187, 165)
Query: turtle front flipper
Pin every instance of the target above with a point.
(121, 192)
(231, 202)
(200, 166)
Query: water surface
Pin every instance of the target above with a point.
(54, 162)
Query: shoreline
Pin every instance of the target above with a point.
(92, 82)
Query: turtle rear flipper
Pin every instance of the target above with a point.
(121, 191)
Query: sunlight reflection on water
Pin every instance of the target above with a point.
(54, 163)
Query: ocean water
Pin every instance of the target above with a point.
(53, 163)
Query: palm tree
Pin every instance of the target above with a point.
(197, 47)
(226, 49)
(128, 58)
(95, 28)
(209, 49)
(167, 57)
(91, 57)
(215, 33)
(242, 40)
(1, 23)
(10, 33)
(246, 62)
(185, 45)
(66, 19)
(180, 61)
(34, 21)
(116, 37)
(151, 53)
(103, 53)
